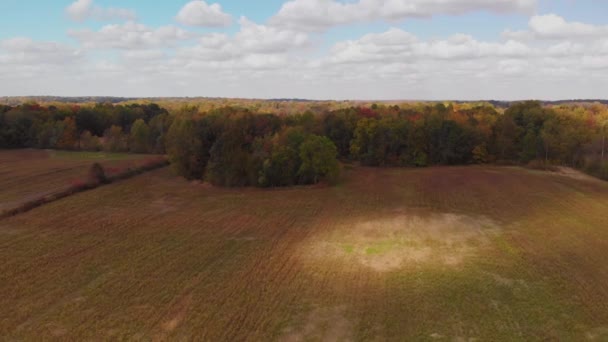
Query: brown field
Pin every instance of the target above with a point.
(445, 254)
(26, 175)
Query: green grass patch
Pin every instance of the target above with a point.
(380, 247)
(348, 249)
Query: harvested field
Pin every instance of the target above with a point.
(26, 175)
(462, 253)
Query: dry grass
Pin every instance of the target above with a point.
(406, 239)
(389, 254)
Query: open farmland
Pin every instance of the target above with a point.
(30, 174)
(389, 254)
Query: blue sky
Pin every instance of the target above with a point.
(372, 49)
(49, 22)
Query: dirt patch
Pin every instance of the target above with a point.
(574, 174)
(57, 330)
(404, 239)
(176, 315)
(322, 324)
(507, 282)
(8, 230)
(598, 334)
(201, 185)
(165, 204)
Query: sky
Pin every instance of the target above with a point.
(313, 49)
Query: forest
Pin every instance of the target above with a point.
(243, 146)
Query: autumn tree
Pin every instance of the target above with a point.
(184, 148)
(69, 138)
(140, 137)
(480, 154)
(89, 142)
(114, 139)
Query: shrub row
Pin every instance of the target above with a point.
(97, 178)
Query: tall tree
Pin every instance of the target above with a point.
(183, 147)
(140, 137)
(318, 155)
(115, 140)
(69, 138)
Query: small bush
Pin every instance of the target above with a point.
(592, 166)
(480, 154)
(110, 171)
(97, 175)
(77, 183)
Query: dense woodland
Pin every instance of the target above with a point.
(243, 146)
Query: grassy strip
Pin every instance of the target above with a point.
(81, 187)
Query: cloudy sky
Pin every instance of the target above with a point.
(317, 49)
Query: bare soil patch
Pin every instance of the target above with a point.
(322, 324)
(177, 313)
(574, 174)
(407, 239)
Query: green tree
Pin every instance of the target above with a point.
(367, 145)
(480, 154)
(159, 127)
(280, 159)
(339, 126)
(140, 137)
(318, 155)
(46, 134)
(230, 164)
(506, 134)
(184, 147)
(529, 147)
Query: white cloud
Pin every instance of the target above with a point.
(313, 15)
(253, 44)
(264, 39)
(552, 58)
(144, 55)
(81, 10)
(24, 63)
(398, 45)
(552, 26)
(130, 36)
(512, 66)
(199, 13)
(555, 27)
(25, 51)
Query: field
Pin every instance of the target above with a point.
(460, 253)
(29, 174)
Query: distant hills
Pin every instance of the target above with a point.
(16, 100)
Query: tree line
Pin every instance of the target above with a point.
(235, 146)
(133, 128)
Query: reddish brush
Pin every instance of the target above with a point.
(367, 112)
(96, 180)
(414, 118)
(77, 183)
